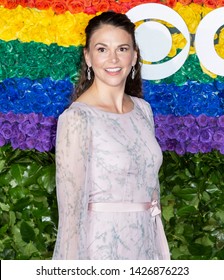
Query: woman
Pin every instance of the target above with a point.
(107, 157)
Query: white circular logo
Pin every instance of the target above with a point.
(204, 41)
(155, 41)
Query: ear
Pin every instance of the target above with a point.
(86, 56)
(134, 58)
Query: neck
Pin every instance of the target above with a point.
(112, 98)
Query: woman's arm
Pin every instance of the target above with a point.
(72, 156)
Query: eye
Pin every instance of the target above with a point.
(156, 29)
(123, 49)
(101, 50)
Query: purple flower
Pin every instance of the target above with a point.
(218, 136)
(23, 126)
(206, 135)
(2, 140)
(194, 132)
(6, 130)
(171, 144)
(182, 135)
(11, 117)
(31, 142)
(48, 121)
(180, 149)
(189, 120)
(171, 120)
(205, 147)
(172, 132)
(24, 131)
(212, 122)
(39, 146)
(31, 130)
(21, 118)
(34, 118)
(192, 147)
(161, 133)
(202, 120)
(220, 121)
(159, 119)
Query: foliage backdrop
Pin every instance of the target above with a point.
(40, 48)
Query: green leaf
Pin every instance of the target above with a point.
(4, 207)
(27, 232)
(168, 212)
(2, 164)
(22, 203)
(199, 250)
(186, 210)
(220, 215)
(47, 178)
(187, 193)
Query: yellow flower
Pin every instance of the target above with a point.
(191, 16)
(43, 26)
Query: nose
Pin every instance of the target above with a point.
(114, 57)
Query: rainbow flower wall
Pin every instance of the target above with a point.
(40, 50)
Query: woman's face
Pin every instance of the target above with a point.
(111, 55)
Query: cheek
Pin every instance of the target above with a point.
(98, 60)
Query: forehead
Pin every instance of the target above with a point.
(109, 33)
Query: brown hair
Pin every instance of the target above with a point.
(133, 87)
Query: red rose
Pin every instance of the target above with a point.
(87, 3)
(59, 6)
(171, 3)
(102, 6)
(27, 3)
(75, 6)
(43, 4)
(10, 4)
(199, 2)
(90, 10)
(185, 2)
(210, 3)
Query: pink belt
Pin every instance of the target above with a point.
(125, 207)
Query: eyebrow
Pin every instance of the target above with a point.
(105, 45)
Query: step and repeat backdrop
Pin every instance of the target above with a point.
(182, 47)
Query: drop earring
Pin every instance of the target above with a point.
(133, 72)
(88, 73)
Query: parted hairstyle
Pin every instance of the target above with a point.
(133, 87)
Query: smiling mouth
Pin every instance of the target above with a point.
(113, 70)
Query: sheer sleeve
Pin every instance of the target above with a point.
(72, 156)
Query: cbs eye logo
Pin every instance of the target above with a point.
(155, 40)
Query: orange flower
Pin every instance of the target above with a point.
(95, 2)
(90, 10)
(185, 2)
(126, 1)
(118, 8)
(28, 3)
(87, 3)
(199, 2)
(59, 6)
(210, 3)
(220, 3)
(42, 5)
(102, 6)
(75, 6)
(171, 3)
(10, 4)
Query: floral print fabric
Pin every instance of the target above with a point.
(106, 157)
